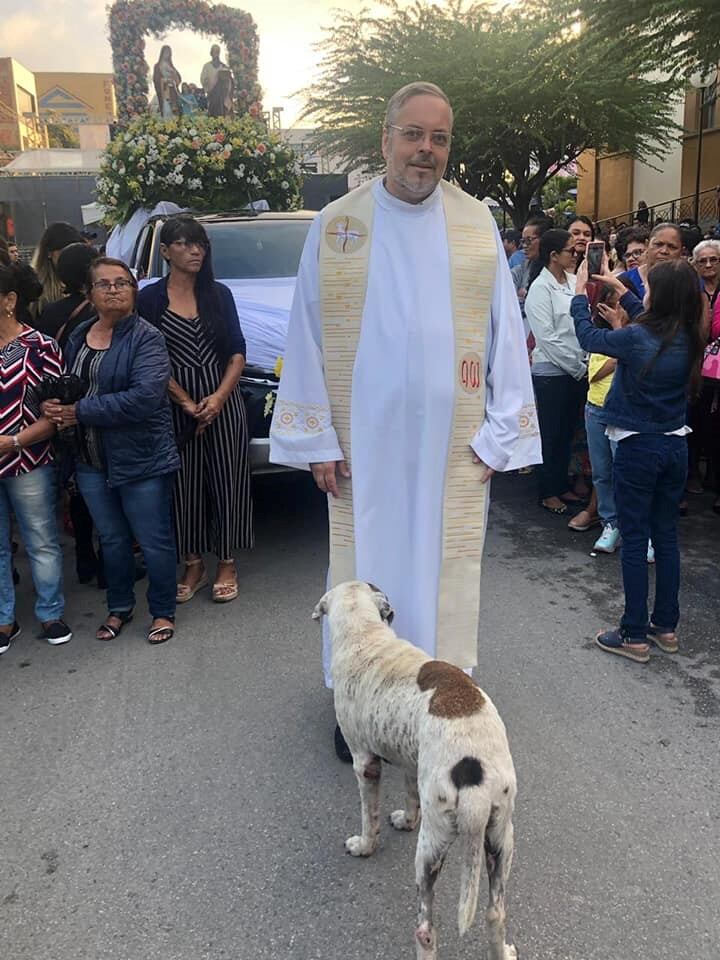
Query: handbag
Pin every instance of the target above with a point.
(711, 360)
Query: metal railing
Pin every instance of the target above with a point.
(672, 211)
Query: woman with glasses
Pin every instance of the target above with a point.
(631, 248)
(704, 414)
(198, 318)
(127, 457)
(559, 370)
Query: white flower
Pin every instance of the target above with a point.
(195, 183)
(285, 185)
(254, 180)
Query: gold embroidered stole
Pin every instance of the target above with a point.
(344, 260)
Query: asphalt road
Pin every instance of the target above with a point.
(184, 802)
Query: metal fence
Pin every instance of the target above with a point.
(673, 211)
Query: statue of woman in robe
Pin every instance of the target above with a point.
(166, 81)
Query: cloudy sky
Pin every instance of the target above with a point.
(72, 35)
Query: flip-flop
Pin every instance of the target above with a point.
(124, 617)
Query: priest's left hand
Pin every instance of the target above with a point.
(485, 471)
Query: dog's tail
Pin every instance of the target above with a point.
(473, 813)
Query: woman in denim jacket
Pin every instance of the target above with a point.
(659, 359)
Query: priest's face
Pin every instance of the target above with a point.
(416, 145)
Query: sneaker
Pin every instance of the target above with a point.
(615, 641)
(57, 632)
(665, 640)
(608, 540)
(6, 639)
(650, 553)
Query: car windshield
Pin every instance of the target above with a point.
(256, 250)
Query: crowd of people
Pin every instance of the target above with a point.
(627, 387)
(127, 405)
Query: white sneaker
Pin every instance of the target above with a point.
(608, 540)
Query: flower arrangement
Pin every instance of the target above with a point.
(130, 20)
(205, 163)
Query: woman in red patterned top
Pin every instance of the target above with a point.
(28, 486)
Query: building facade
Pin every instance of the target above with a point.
(20, 124)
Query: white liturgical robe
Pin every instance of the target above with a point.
(403, 396)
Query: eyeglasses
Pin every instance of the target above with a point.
(106, 285)
(571, 250)
(438, 138)
(708, 261)
(526, 241)
(633, 255)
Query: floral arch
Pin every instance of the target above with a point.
(130, 20)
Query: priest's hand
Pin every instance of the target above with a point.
(325, 475)
(485, 471)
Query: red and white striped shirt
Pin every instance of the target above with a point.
(24, 362)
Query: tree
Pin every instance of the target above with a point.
(62, 135)
(682, 35)
(529, 95)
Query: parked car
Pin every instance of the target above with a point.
(257, 257)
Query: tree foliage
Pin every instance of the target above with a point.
(529, 93)
(681, 35)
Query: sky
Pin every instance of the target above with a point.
(71, 35)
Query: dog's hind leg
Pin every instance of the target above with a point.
(408, 818)
(367, 772)
(498, 857)
(432, 847)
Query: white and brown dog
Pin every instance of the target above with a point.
(394, 703)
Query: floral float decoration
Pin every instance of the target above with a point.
(130, 20)
(204, 163)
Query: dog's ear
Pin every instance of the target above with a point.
(382, 603)
(321, 608)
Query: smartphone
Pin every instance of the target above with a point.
(594, 253)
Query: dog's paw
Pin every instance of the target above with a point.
(426, 939)
(510, 952)
(400, 820)
(359, 846)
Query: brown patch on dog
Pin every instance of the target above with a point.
(455, 693)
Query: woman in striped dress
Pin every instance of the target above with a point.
(197, 315)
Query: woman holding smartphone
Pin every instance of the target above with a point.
(659, 361)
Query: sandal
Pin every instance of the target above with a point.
(125, 616)
(184, 592)
(557, 510)
(225, 591)
(162, 634)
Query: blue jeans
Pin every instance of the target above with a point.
(142, 511)
(601, 452)
(32, 497)
(650, 472)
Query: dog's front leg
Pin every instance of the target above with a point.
(367, 771)
(408, 818)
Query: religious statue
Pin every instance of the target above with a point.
(166, 81)
(218, 83)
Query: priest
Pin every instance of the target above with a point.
(405, 382)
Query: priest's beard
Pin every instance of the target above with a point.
(416, 191)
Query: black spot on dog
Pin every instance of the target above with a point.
(387, 613)
(467, 772)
